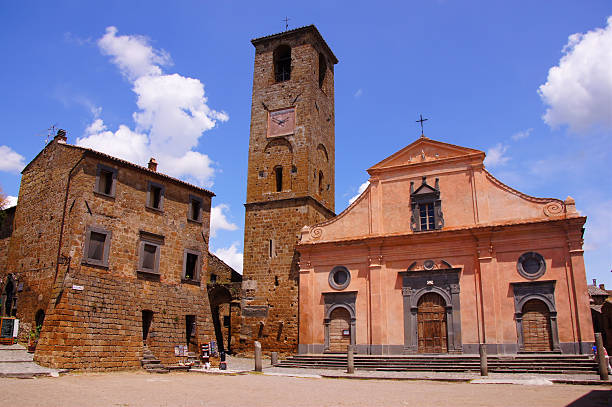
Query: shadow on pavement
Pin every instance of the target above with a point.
(595, 398)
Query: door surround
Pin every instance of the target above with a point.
(444, 282)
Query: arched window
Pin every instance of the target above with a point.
(321, 182)
(322, 69)
(282, 63)
(278, 174)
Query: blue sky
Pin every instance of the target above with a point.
(529, 82)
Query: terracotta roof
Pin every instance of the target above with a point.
(295, 31)
(126, 164)
(594, 290)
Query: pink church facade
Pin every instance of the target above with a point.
(438, 256)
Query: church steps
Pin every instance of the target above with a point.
(550, 364)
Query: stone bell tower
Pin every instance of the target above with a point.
(290, 178)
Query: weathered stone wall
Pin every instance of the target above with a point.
(94, 313)
(273, 219)
(32, 252)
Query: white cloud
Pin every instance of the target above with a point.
(173, 113)
(231, 256)
(521, 134)
(11, 161)
(133, 54)
(578, 91)
(495, 156)
(10, 201)
(362, 188)
(358, 93)
(219, 221)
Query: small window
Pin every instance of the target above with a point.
(322, 70)
(213, 278)
(191, 265)
(427, 216)
(282, 63)
(321, 185)
(271, 248)
(155, 196)
(106, 179)
(339, 277)
(150, 248)
(195, 208)
(278, 173)
(97, 246)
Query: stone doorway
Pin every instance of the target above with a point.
(147, 319)
(339, 330)
(220, 299)
(431, 317)
(537, 335)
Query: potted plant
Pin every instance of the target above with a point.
(33, 341)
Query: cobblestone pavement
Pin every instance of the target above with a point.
(138, 388)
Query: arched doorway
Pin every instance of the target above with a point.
(339, 330)
(431, 318)
(220, 300)
(537, 335)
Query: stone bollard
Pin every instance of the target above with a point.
(258, 365)
(273, 358)
(484, 366)
(601, 357)
(350, 359)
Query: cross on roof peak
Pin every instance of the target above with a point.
(421, 120)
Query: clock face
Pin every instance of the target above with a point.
(281, 122)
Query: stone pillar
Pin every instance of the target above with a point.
(484, 366)
(307, 305)
(378, 311)
(487, 291)
(273, 358)
(258, 364)
(350, 359)
(601, 357)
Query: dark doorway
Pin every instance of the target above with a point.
(147, 318)
(431, 317)
(190, 333)
(39, 318)
(221, 308)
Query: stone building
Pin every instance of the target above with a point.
(290, 179)
(438, 256)
(601, 312)
(107, 256)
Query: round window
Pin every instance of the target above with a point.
(339, 277)
(531, 265)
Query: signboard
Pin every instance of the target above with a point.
(78, 287)
(8, 329)
(345, 332)
(180, 350)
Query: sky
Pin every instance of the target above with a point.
(528, 82)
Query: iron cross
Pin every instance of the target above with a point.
(286, 20)
(421, 121)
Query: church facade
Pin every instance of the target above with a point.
(438, 256)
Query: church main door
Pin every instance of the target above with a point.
(339, 330)
(431, 317)
(537, 335)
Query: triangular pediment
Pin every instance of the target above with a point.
(424, 189)
(425, 150)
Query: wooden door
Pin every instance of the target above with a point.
(339, 326)
(431, 317)
(536, 327)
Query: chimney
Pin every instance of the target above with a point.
(595, 282)
(60, 137)
(152, 164)
(602, 286)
